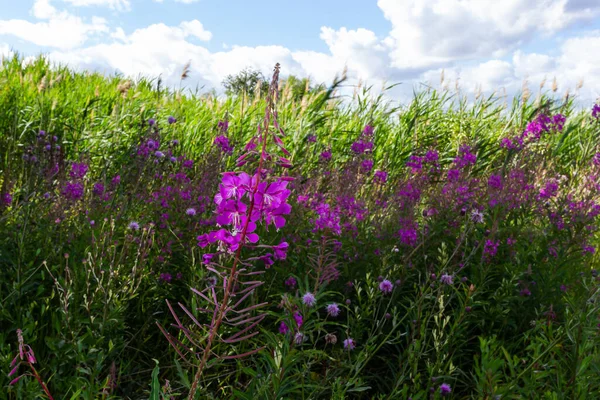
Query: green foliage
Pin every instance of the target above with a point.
(87, 297)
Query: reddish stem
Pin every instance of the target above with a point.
(233, 274)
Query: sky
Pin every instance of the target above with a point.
(485, 45)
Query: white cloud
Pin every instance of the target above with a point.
(60, 30)
(475, 41)
(42, 9)
(196, 29)
(119, 5)
(433, 32)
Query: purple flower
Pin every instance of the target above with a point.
(98, 189)
(73, 191)
(380, 177)
(386, 286)
(596, 111)
(78, 170)
(283, 328)
(349, 344)
(151, 121)
(446, 279)
(326, 155)
(589, 249)
(432, 157)
(525, 292)
(333, 309)
(495, 182)
(134, 226)
(358, 147)
(491, 247)
(115, 181)
(366, 165)
(190, 211)
(445, 389)
(290, 282)
(223, 126)
(166, 277)
(368, 130)
(311, 138)
(309, 299)
(298, 318)
(171, 119)
(281, 251)
(222, 142)
(549, 190)
(6, 199)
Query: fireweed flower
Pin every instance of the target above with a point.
(283, 328)
(445, 389)
(281, 251)
(298, 318)
(78, 170)
(73, 191)
(549, 190)
(223, 125)
(309, 299)
(491, 248)
(222, 142)
(290, 282)
(333, 310)
(326, 155)
(380, 177)
(386, 286)
(358, 147)
(98, 189)
(446, 279)
(366, 165)
(349, 344)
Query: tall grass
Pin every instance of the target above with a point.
(86, 287)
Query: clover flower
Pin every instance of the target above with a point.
(309, 299)
(333, 310)
(386, 286)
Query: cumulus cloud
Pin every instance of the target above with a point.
(60, 29)
(474, 41)
(119, 5)
(433, 32)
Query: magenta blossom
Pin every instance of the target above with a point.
(386, 286)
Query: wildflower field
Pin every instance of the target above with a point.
(293, 243)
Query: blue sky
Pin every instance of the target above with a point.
(487, 45)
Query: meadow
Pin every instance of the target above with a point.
(291, 243)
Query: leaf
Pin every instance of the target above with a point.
(155, 385)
